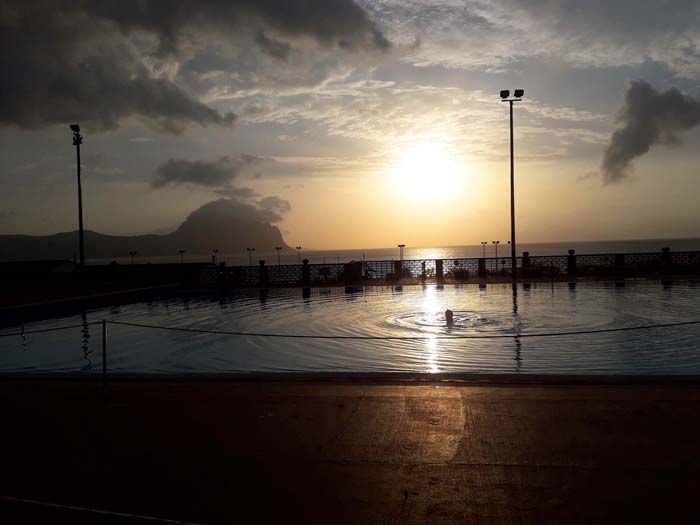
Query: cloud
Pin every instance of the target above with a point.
(236, 192)
(181, 23)
(494, 35)
(272, 210)
(100, 62)
(275, 48)
(61, 65)
(213, 174)
(648, 117)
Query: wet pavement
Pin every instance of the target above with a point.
(350, 452)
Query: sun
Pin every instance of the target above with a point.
(426, 171)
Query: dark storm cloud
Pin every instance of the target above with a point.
(59, 65)
(274, 48)
(647, 117)
(87, 61)
(339, 23)
(213, 174)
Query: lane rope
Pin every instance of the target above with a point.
(407, 338)
(95, 511)
(24, 333)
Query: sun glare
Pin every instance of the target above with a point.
(426, 171)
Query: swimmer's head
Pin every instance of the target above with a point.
(449, 317)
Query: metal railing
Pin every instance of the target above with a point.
(452, 270)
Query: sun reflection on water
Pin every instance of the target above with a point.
(430, 305)
(431, 345)
(431, 310)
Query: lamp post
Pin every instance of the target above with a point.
(213, 256)
(250, 256)
(483, 246)
(299, 254)
(278, 248)
(517, 97)
(77, 141)
(181, 252)
(401, 247)
(133, 253)
(496, 243)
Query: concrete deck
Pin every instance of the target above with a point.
(225, 452)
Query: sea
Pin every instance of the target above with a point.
(270, 256)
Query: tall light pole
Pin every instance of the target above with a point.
(181, 252)
(483, 246)
(250, 256)
(77, 141)
(299, 254)
(496, 243)
(517, 97)
(401, 247)
(278, 248)
(133, 253)
(213, 256)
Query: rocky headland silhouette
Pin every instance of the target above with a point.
(222, 224)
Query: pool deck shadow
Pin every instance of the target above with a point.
(350, 451)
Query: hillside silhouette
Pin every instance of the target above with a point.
(223, 225)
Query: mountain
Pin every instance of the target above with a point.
(226, 225)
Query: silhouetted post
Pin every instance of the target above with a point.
(263, 277)
(305, 272)
(77, 141)
(513, 270)
(104, 352)
(482, 267)
(517, 97)
(181, 252)
(666, 256)
(619, 261)
(496, 243)
(278, 248)
(398, 269)
(483, 245)
(401, 247)
(363, 269)
(250, 256)
(571, 263)
(439, 273)
(299, 254)
(526, 259)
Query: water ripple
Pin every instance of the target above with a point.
(386, 311)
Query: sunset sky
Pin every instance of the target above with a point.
(354, 124)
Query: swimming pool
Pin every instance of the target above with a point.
(399, 312)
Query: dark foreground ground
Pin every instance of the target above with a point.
(309, 452)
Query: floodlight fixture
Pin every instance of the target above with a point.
(75, 128)
(505, 93)
(519, 93)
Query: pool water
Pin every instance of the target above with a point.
(408, 311)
